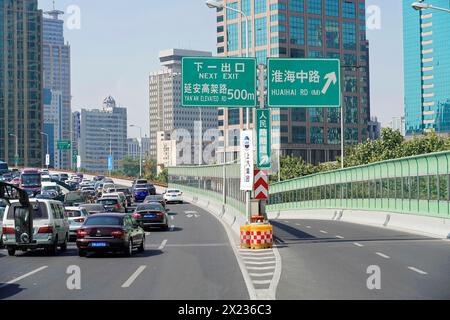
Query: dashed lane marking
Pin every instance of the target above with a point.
(163, 244)
(340, 237)
(417, 270)
(324, 232)
(133, 277)
(298, 224)
(309, 227)
(382, 255)
(23, 276)
(358, 244)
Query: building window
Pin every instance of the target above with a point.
(349, 35)
(334, 115)
(246, 7)
(297, 30)
(296, 5)
(232, 32)
(334, 136)
(260, 6)
(316, 114)
(332, 34)
(332, 8)
(233, 116)
(261, 34)
(261, 57)
(298, 114)
(244, 35)
(316, 134)
(349, 10)
(299, 135)
(297, 53)
(314, 32)
(231, 14)
(351, 136)
(315, 6)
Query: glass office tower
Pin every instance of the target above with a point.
(427, 68)
(21, 82)
(302, 29)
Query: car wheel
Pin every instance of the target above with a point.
(81, 253)
(180, 202)
(142, 246)
(129, 250)
(64, 245)
(12, 252)
(52, 250)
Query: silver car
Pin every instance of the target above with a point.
(76, 217)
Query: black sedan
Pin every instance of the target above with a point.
(152, 215)
(111, 232)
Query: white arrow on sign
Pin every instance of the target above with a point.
(331, 78)
(264, 160)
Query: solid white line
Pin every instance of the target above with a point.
(324, 232)
(269, 274)
(262, 281)
(417, 270)
(163, 244)
(261, 268)
(23, 277)
(259, 263)
(358, 244)
(340, 237)
(258, 258)
(382, 255)
(133, 277)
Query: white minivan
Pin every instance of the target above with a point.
(50, 228)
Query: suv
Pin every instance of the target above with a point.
(75, 198)
(112, 204)
(117, 195)
(50, 227)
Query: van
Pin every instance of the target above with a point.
(50, 228)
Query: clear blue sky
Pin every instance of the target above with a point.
(119, 41)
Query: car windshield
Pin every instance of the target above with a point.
(108, 202)
(104, 221)
(72, 213)
(150, 207)
(39, 211)
(31, 179)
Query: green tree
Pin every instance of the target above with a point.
(130, 167)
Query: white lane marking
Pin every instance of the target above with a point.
(255, 251)
(286, 221)
(324, 232)
(23, 277)
(298, 224)
(172, 217)
(147, 233)
(262, 281)
(172, 227)
(358, 244)
(133, 277)
(258, 258)
(268, 274)
(417, 270)
(309, 227)
(261, 268)
(259, 263)
(340, 237)
(257, 254)
(382, 255)
(163, 244)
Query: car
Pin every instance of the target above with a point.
(139, 181)
(152, 214)
(140, 192)
(50, 227)
(173, 195)
(127, 193)
(89, 191)
(94, 208)
(98, 178)
(156, 198)
(46, 178)
(117, 195)
(63, 177)
(75, 198)
(3, 205)
(107, 186)
(151, 189)
(112, 204)
(45, 171)
(76, 217)
(108, 180)
(112, 232)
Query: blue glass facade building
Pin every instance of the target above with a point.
(426, 68)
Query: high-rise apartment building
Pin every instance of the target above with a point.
(76, 133)
(398, 123)
(101, 130)
(426, 68)
(21, 83)
(166, 111)
(302, 29)
(56, 68)
(52, 125)
(133, 148)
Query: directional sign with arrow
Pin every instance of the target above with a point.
(304, 83)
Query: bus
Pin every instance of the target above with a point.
(3, 167)
(30, 181)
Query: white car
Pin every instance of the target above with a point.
(76, 217)
(50, 227)
(173, 195)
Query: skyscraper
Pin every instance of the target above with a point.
(102, 129)
(56, 67)
(426, 68)
(166, 112)
(302, 29)
(21, 82)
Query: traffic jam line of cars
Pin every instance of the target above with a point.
(94, 213)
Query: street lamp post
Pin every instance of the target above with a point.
(420, 5)
(48, 154)
(110, 146)
(16, 156)
(140, 147)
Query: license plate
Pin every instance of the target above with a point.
(98, 244)
(149, 216)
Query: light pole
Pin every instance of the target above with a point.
(140, 147)
(16, 156)
(48, 154)
(219, 5)
(420, 5)
(110, 147)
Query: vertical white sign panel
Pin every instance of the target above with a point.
(47, 159)
(247, 166)
(78, 162)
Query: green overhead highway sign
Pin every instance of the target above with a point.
(64, 144)
(219, 82)
(264, 150)
(304, 83)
